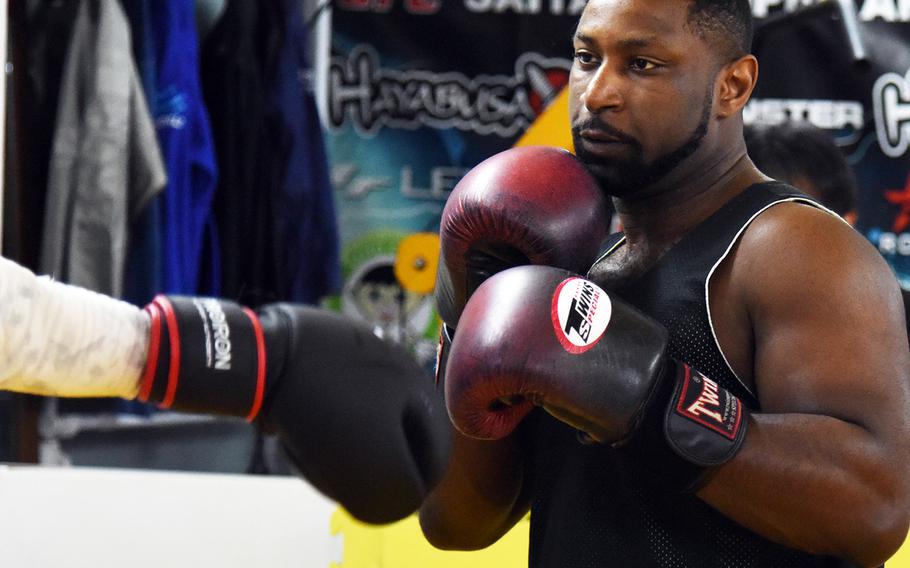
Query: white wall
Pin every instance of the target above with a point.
(100, 518)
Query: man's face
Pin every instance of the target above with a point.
(641, 91)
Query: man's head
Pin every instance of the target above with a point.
(806, 157)
(651, 83)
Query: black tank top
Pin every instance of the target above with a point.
(593, 507)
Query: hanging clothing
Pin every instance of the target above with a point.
(46, 37)
(185, 136)
(274, 203)
(306, 226)
(105, 164)
(18, 235)
(251, 147)
(145, 261)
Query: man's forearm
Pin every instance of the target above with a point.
(797, 475)
(483, 494)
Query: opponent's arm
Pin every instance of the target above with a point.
(825, 466)
(358, 416)
(59, 340)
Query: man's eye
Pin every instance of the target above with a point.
(584, 57)
(641, 64)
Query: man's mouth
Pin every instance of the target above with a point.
(601, 137)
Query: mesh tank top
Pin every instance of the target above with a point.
(594, 506)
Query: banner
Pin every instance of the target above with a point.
(419, 92)
(848, 73)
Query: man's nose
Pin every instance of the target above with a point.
(602, 91)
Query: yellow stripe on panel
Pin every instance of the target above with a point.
(552, 127)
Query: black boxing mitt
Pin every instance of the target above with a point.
(358, 416)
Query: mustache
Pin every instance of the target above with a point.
(597, 125)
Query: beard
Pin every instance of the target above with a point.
(621, 177)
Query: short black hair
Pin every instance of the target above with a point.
(798, 151)
(725, 23)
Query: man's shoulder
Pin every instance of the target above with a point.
(793, 248)
(799, 225)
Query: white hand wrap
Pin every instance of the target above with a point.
(61, 340)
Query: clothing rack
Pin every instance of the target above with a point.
(50, 425)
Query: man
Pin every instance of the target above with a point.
(793, 318)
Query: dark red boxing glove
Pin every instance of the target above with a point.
(529, 205)
(540, 336)
(359, 417)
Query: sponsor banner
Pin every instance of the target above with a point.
(867, 10)
(850, 77)
(419, 92)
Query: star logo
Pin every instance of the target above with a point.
(901, 198)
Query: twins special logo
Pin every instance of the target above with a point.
(891, 104)
(370, 97)
(703, 401)
(581, 311)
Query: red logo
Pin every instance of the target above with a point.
(901, 198)
(705, 402)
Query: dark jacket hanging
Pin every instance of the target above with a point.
(249, 145)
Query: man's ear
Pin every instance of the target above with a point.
(736, 81)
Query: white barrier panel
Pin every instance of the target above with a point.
(99, 518)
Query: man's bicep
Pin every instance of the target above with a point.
(829, 330)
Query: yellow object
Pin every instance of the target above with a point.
(402, 545)
(902, 558)
(415, 262)
(551, 128)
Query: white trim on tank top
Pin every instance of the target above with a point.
(736, 237)
(739, 233)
